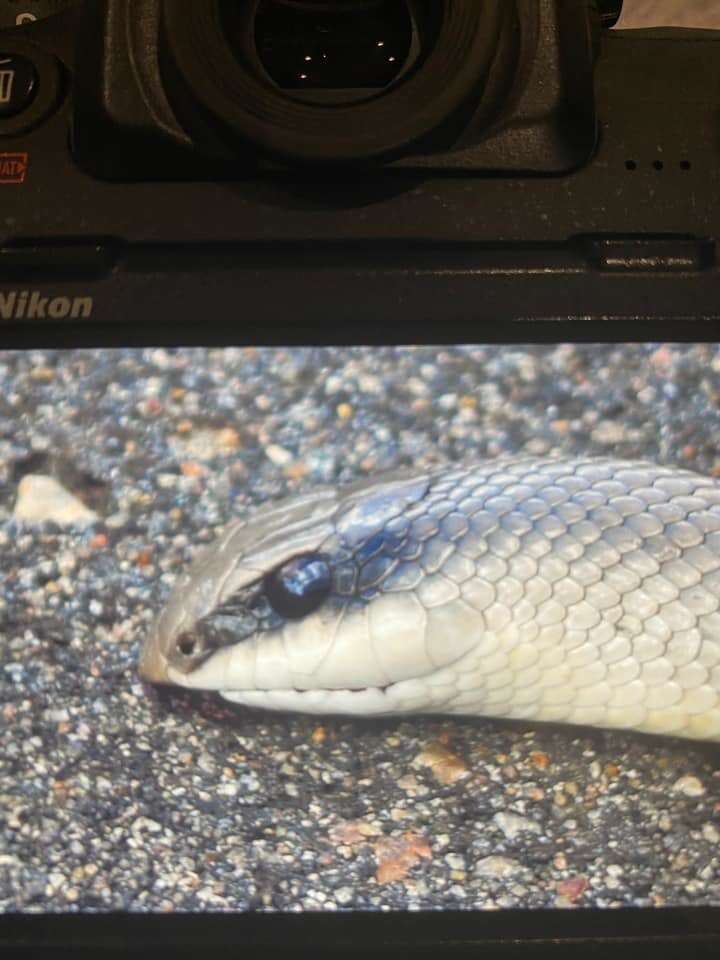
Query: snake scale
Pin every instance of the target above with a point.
(573, 590)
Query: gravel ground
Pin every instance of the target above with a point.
(117, 796)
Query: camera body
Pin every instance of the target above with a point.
(579, 176)
(531, 110)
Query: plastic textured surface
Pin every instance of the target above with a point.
(433, 253)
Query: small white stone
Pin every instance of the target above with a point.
(497, 867)
(511, 824)
(56, 881)
(334, 384)
(228, 790)
(711, 833)
(66, 562)
(608, 432)
(143, 824)
(56, 715)
(279, 455)
(689, 787)
(41, 498)
(117, 521)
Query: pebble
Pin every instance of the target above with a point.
(498, 867)
(56, 715)
(446, 766)
(711, 833)
(689, 787)
(608, 432)
(201, 443)
(278, 455)
(41, 499)
(513, 825)
(571, 889)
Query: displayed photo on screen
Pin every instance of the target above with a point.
(360, 629)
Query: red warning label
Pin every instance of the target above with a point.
(13, 167)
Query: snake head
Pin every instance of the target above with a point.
(213, 604)
(309, 604)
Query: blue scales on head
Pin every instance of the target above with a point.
(371, 534)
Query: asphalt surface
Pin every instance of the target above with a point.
(117, 796)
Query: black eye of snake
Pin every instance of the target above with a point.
(299, 586)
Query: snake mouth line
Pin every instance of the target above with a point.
(361, 702)
(313, 692)
(370, 700)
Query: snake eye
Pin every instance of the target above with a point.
(299, 586)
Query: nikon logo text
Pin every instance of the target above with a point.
(32, 305)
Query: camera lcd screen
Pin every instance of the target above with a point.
(585, 773)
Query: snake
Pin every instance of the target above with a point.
(571, 590)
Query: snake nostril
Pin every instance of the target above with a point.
(187, 644)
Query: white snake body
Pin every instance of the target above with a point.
(584, 591)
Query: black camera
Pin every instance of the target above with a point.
(463, 155)
(169, 89)
(420, 82)
(488, 201)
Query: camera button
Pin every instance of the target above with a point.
(18, 84)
